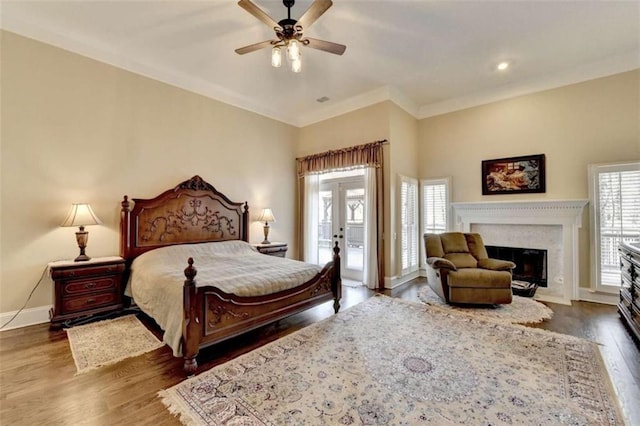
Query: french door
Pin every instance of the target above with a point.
(341, 218)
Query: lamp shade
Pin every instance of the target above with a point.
(267, 216)
(81, 215)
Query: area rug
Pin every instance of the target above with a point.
(107, 342)
(388, 361)
(522, 310)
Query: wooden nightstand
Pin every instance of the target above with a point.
(272, 249)
(85, 288)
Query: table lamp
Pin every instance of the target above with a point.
(81, 215)
(266, 216)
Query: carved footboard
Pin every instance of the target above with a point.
(211, 315)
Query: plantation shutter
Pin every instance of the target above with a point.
(435, 205)
(409, 224)
(618, 218)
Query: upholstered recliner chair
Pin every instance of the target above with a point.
(460, 271)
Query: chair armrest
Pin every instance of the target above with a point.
(441, 263)
(496, 264)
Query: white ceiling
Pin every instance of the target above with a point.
(429, 57)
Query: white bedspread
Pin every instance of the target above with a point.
(157, 278)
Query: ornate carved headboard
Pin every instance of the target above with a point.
(192, 212)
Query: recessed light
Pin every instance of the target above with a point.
(502, 66)
(322, 99)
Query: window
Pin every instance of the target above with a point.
(408, 224)
(615, 216)
(435, 205)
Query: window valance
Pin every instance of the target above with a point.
(369, 155)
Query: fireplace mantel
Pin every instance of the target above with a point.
(552, 212)
(566, 213)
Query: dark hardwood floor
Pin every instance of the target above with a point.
(38, 384)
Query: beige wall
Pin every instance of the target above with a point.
(403, 161)
(77, 130)
(592, 122)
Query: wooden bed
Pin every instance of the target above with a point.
(195, 212)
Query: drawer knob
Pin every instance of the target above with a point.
(90, 285)
(90, 301)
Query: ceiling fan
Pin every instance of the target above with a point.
(289, 33)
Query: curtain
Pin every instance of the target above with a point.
(368, 155)
(310, 219)
(370, 272)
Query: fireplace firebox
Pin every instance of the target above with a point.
(531, 264)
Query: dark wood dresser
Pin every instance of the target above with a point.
(86, 288)
(629, 305)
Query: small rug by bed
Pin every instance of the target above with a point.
(107, 342)
(388, 361)
(522, 310)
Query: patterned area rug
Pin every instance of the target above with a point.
(107, 342)
(522, 310)
(388, 361)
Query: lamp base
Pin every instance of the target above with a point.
(81, 237)
(266, 234)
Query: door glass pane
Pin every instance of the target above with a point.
(354, 227)
(324, 227)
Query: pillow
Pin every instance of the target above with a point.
(462, 260)
(454, 242)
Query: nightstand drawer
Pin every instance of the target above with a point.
(86, 271)
(83, 303)
(72, 288)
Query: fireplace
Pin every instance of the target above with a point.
(551, 225)
(531, 264)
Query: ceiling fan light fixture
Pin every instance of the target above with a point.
(276, 57)
(293, 50)
(296, 65)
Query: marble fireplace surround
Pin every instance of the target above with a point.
(546, 221)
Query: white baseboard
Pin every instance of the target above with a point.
(395, 281)
(30, 316)
(552, 299)
(588, 295)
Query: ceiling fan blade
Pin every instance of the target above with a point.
(253, 47)
(314, 12)
(327, 46)
(258, 13)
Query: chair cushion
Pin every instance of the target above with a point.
(479, 278)
(496, 264)
(476, 246)
(433, 245)
(462, 260)
(454, 242)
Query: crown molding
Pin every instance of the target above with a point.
(381, 94)
(109, 56)
(613, 65)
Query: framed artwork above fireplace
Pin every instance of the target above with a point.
(514, 175)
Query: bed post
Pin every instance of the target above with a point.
(245, 223)
(125, 215)
(190, 322)
(336, 281)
